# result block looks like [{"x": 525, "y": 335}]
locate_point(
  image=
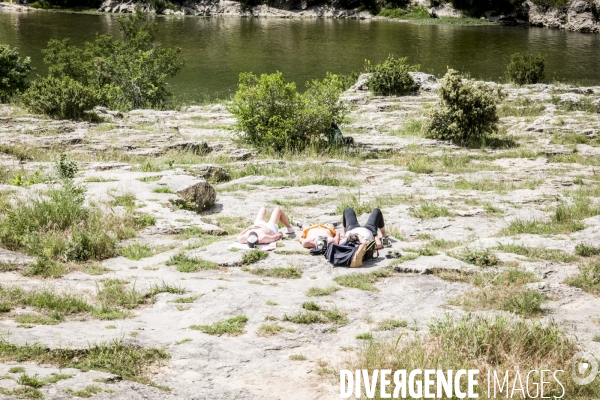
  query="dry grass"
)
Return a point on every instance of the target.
[{"x": 483, "y": 343}]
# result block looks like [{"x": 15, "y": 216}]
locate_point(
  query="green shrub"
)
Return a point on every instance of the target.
[
  {"x": 118, "y": 74},
  {"x": 466, "y": 111},
  {"x": 525, "y": 69},
  {"x": 61, "y": 98},
  {"x": 392, "y": 78},
  {"x": 272, "y": 115},
  {"x": 13, "y": 73}
]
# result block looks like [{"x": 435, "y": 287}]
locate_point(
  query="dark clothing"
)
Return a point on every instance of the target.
[
  {"x": 340, "y": 255},
  {"x": 374, "y": 222}
]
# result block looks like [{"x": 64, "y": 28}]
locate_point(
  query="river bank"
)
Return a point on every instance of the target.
[
  {"x": 442, "y": 205},
  {"x": 577, "y": 16}
]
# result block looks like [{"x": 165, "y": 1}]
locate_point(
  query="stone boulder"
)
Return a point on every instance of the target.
[
  {"x": 214, "y": 173},
  {"x": 106, "y": 114},
  {"x": 191, "y": 146},
  {"x": 191, "y": 189},
  {"x": 445, "y": 11},
  {"x": 361, "y": 83},
  {"x": 425, "y": 82},
  {"x": 284, "y": 4},
  {"x": 579, "y": 15}
]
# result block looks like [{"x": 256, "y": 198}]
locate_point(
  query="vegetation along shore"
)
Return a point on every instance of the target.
[{"x": 117, "y": 215}]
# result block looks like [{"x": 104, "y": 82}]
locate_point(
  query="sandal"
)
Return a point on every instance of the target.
[{"x": 385, "y": 241}]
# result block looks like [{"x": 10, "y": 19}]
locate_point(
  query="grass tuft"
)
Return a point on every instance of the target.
[
  {"x": 391, "y": 324},
  {"x": 362, "y": 281},
  {"x": 365, "y": 336},
  {"x": 316, "y": 291},
  {"x": 130, "y": 362},
  {"x": 430, "y": 210},
  {"x": 267, "y": 330},
  {"x": 254, "y": 256},
  {"x": 184, "y": 263},
  {"x": 588, "y": 278},
  {"x": 279, "y": 272},
  {"x": 230, "y": 327},
  {"x": 482, "y": 257},
  {"x": 311, "y": 306},
  {"x": 586, "y": 250},
  {"x": 486, "y": 343}
]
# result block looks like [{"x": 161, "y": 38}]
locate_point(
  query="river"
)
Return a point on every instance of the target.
[{"x": 218, "y": 49}]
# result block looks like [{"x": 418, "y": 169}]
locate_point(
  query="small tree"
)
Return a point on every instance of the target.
[
  {"x": 118, "y": 74},
  {"x": 525, "y": 69},
  {"x": 273, "y": 116},
  {"x": 13, "y": 72},
  {"x": 392, "y": 78},
  {"x": 466, "y": 111}
]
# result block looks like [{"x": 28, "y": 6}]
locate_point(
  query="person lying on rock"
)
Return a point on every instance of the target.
[
  {"x": 311, "y": 234},
  {"x": 263, "y": 232},
  {"x": 353, "y": 231}
]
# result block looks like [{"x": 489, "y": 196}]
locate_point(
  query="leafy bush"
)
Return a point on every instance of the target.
[
  {"x": 61, "y": 98},
  {"x": 526, "y": 69},
  {"x": 466, "y": 111},
  {"x": 13, "y": 72},
  {"x": 392, "y": 78},
  {"x": 118, "y": 74},
  {"x": 272, "y": 115}
]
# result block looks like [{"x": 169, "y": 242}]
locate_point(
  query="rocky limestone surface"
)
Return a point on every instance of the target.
[
  {"x": 476, "y": 192},
  {"x": 207, "y": 8},
  {"x": 579, "y": 15}
]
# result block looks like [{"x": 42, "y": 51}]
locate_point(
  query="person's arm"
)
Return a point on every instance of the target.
[
  {"x": 266, "y": 239},
  {"x": 335, "y": 239}
]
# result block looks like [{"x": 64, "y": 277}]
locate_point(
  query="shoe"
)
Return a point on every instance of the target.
[
  {"x": 290, "y": 230},
  {"x": 299, "y": 224},
  {"x": 389, "y": 254},
  {"x": 385, "y": 241}
]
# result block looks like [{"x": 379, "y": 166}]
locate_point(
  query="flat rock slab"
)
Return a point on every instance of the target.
[
  {"x": 13, "y": 258},
  {"x": 427, "y": 265}
]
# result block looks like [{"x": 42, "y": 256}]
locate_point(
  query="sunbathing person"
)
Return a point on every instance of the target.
[
  {"x": 263, "y": 232},
  {"x": 364, "y": 234},
  {"x": 310, "y": 235}
]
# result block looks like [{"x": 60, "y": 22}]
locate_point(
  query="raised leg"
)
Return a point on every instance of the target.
[
  {"x": 262, "y": 215},
  {"x": 375, "y": 222},
  {"x": 349, "y": 219},
  {"x": 278, "y": 216}
]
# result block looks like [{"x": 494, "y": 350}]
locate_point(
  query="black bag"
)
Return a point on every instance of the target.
[
  {"x": 321, "y": 247},
  {"x": 340, "y": 255}
]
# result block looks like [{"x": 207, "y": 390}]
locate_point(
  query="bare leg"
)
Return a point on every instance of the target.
[
  {"x": 382, "y": 230},
  {"x": 278, "y": 216},
  {"x": 262, "y": 214}
]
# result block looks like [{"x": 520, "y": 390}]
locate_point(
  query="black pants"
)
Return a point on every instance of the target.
[{"x": 375, "y": 220}]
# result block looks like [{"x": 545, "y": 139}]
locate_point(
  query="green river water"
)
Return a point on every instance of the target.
[{"x": 218, "y": 49}]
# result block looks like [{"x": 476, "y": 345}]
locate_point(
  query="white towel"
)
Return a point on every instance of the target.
[{"x": 241, "y": 246}]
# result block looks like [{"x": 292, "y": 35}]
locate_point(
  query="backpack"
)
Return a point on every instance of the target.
[
  {"x": 364, "y": 252},
  {"x": 340, "y": 255},
  {"x": 337, "y": 137}
]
